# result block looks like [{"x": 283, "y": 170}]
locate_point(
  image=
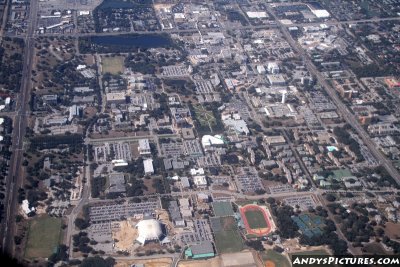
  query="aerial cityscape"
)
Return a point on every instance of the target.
[{"x": 188, "y": 133}]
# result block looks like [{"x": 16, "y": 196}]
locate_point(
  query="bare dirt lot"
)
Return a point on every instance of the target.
[
  {"x": 238, "y": 259},
  {"x": 162, "y": 262},
  {"x": 214, "y": 262},
  {"x": 126, "y": 234},
  {"x": 392, "y": 230}
]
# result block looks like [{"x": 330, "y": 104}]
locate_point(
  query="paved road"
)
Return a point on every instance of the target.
[
  {"x": 78, "y": 208},
  {"x": 127, "y": 138},
  {"x": 235, "y": 195},
  {"x": 345, "y": 22},
  {"x": 14, "y": 179},
  {"x": 346, "y": 114},
  {"x": 248, "y": 27}
]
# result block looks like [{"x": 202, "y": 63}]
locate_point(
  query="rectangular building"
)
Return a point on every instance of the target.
[
  {"x": 144, "y": 147},
  {"x": 148, "y": 166}
]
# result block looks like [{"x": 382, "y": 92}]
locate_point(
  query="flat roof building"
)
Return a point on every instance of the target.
[
  {"x": 200, "y": 180},
  {"x": 275, "y": 140},
  {"x": 276, "y": 79},
  {"x": 148, "y": 166},
  {"x": 144, "y": 147},
  {"x": 200, "y": 251}
]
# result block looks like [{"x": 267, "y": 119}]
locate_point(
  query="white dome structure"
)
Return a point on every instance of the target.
[{"x": 149, "y": 230}]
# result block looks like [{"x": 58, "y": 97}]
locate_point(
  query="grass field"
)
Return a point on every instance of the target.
[
  {"x": 278, "y": 259},
  {"x": 205, "y": 117},
  {"x": 227, "y": 237},
  {"x": 228, "y": 241},
  {"x": 112, "y": 65},
  {"x": 43, "y": 237},
  {"x": 255, "y": 218}
]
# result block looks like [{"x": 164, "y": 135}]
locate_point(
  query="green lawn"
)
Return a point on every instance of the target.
[
  {"x": 228, "y": 241},
  {"x": 205, "y": 117},
  {"x": 277, "y": 258},
  {"x": 255, "y": 219},
  {"x": 43, "y": 237},
  {"x": 113, "y": 65}
]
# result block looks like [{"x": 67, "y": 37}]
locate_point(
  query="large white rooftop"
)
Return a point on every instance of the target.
[{"x": 149, "y": 230}]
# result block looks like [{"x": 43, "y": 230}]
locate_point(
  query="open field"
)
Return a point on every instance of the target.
[
  {"x": 125, "y": 235},
  {"x": 213, "y": 262},
  {"x": 43, "y": 237},
  {"x": 161, "y": 262},
  {"x": 319, "y": 252},
  {"x": 112, "y": 65},
  {"x": 244, "y": 258},
  {"x": 255, "y": 219},
  {"x": 227, "y": 237},
  {"x": 228, "y": 241},
  {"x": 277, "y": 259},
  {"x": 205, "y": 117},
  {"x": 392, "y": 230}
]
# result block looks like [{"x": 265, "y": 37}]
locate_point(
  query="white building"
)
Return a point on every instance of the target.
[
  {"x": 273, "y": 68},
  {"x": 144, "y": 147},
  {"x": 235, "y": 122},
  {"x": 209, "y": 141},
  {"x": 148, "y": 166},
  {"x": 199, "y": 171},
  {"x": 149, "y": 230},
  {"x": 260, "y": 69},
  {"x": 200, "y": 180},
  {"x": 119, "y": 162},
  {"x": 25, "y": 207}
]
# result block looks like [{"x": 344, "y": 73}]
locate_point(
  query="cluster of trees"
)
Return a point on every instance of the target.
[
  {"x": 135, "y": 187},
  {"x": 81, "y": 242},
  {"x": 273, "y": 177},
  {"x": 357, "y": 228},
  {"x": 11, "y": 64},
  {"x": 393, "y": 244},
  {"x": 287, "y": 227},
  {"x": 147, "y": 63},
  {"x": 345, "y": 138},
  {"x": 237, "y": 16},
  {"x": 98, "y": 185},
  {"x": 163, "y": 109},
  {"x": 328, "y": 237},
  {"x": 112, "y": 14},
  {"x": 60, "y": 255},
  {"x": 181, "y": 86},
  {"x": 97, "y": 262},
  {"x": 255, "y": 244},
  {"x": 83, "y": 222},
  {"x": 159, "y": 185},
  {"x": 386, "y": 179},
  {"x": 371, "y": 70},
  {"x": 73, "y": 141},
  {"x": 134, "y": 168}
]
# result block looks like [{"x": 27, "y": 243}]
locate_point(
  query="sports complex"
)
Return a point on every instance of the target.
[{"x": 257, "y": 220}]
